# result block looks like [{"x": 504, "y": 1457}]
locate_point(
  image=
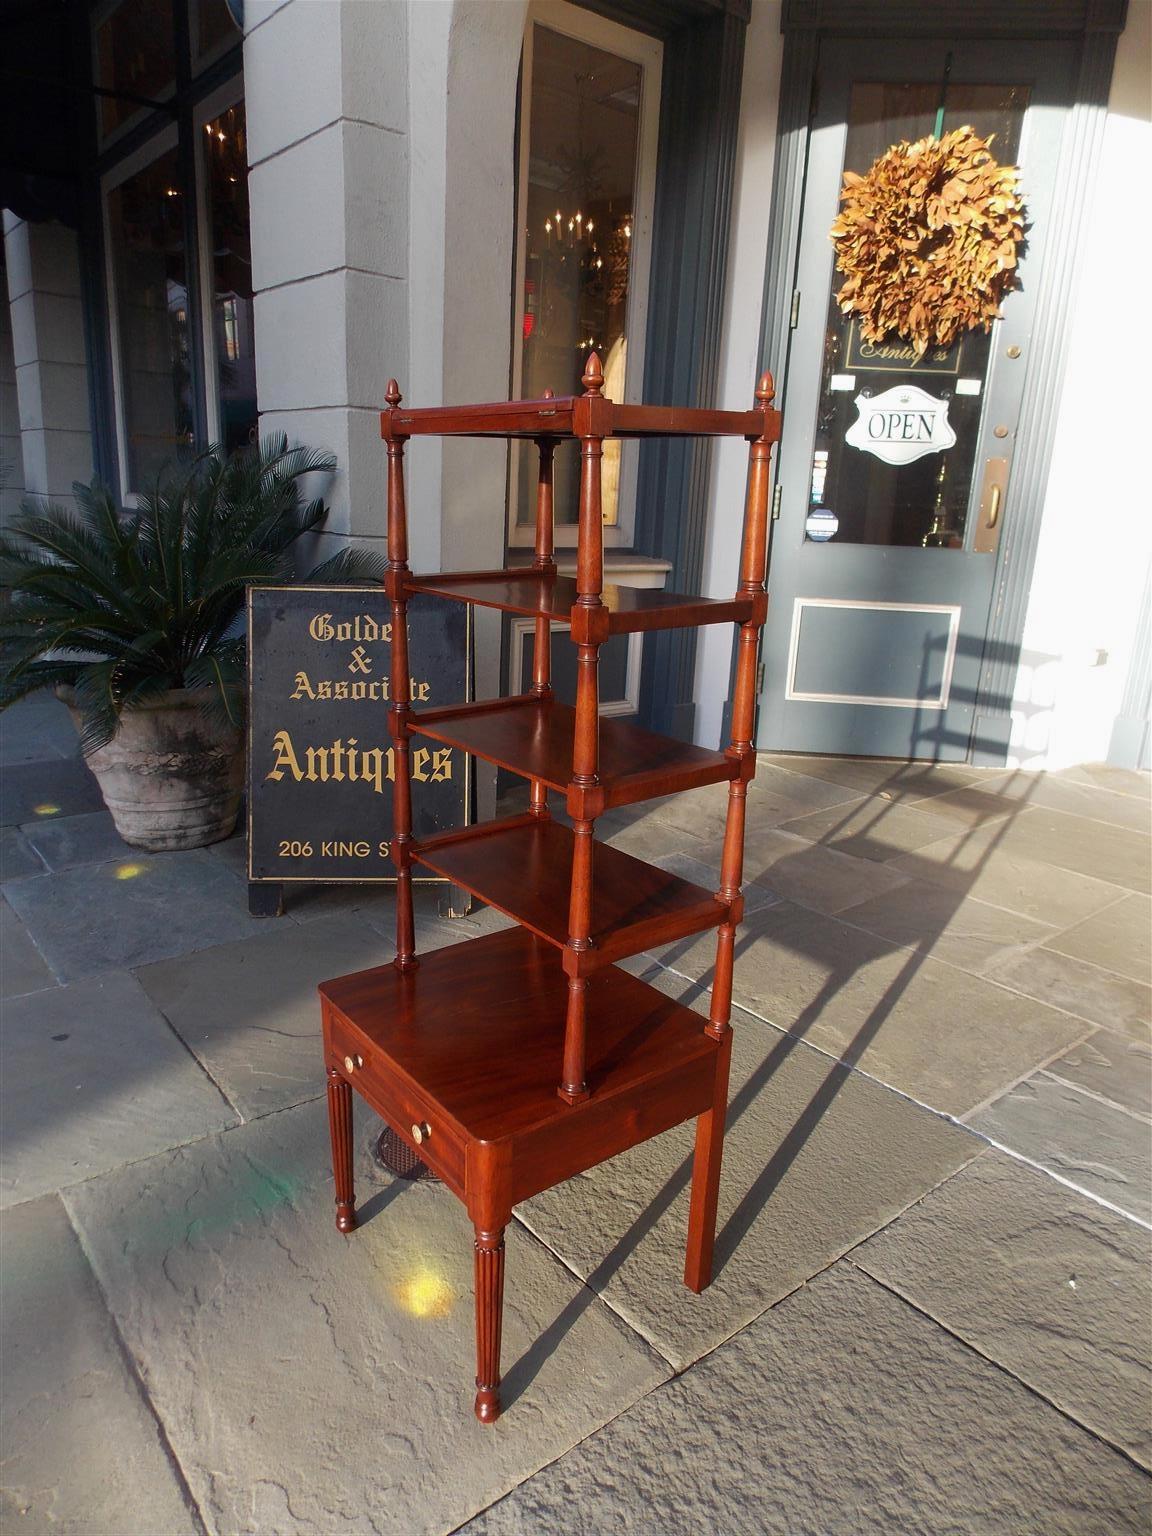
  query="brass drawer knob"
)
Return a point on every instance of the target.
[
  {"x": 351, "y": 1063},
  {"x": 421, "y": 1133}
]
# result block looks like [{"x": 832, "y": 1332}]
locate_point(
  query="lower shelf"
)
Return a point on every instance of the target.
[
  {"x": 523, "y": 866},
  {"x": 469, "y": 1044}
]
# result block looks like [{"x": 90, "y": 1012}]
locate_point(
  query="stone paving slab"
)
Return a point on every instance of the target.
[
  {"x": 83, "y": 1454},
  {"x": 1115, "y": 855},
  {"x": 310, "y": 1382},
  {"x": 978, "y": 864},
  {"x": 99, "y": 917},
  {"x": 65, "y": 842},
  {"x": 1094, "y": 1146},
  {"x": 249, "y": 1010},
  {"x": 843, "y": 1412},
  {"x": 897, "y": 781},
  {"x": 794, "y": 869},
  {"x": 707, "y": 873},
  {"x": 1121, "y": 781},
  {"x": 1111, "y": 1066},
  {"x": 17, "y": 856},
  {"x": 38, "y": 790},
  {"x": 1044, "y": 1281},
  {"x": 815, "y": 1158},
  {"x": 1094, "y": 994},
  {"x": 964, "y": 931},
  {"x": 22, "y": 966},
  {"x": 35, "y": 728},
  {"x": 1093, "y": 801},
  {"x": 948, "y": 1039},
  {"x": 1119, "y": 939},
  {"x": 870, "y": 829},
  {"x": 91, "y": 1077}
]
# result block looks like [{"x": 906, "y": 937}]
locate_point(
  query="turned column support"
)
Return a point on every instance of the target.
[
  {"x": 586, "y": 743},
  {"x": 395, "y": 579},
  {"x": 543, "y": 565}
]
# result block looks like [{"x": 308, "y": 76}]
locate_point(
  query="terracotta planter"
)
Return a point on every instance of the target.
[{"x": 172, "y": 776}]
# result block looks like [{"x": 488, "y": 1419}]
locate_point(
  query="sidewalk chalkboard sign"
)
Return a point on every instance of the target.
[{"x": 320, "y": 757}]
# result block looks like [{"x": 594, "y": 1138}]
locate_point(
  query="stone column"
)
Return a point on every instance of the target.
[
  {"x": 49, "y": 357},
  {"x": 327, "y": 109}
]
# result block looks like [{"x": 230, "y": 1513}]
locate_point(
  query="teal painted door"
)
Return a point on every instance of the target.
[{"x": 895, "y": 488}]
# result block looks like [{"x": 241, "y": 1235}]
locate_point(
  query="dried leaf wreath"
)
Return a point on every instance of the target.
[{"x": 927, "y": 240}]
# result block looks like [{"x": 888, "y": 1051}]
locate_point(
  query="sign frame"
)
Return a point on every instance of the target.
[{"x": 264, "y": 890}]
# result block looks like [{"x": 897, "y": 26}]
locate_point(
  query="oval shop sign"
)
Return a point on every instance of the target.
[{"x": 901, "y": 425}]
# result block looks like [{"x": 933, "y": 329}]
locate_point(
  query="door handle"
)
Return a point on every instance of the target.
[{"x": 991, "y": 506}]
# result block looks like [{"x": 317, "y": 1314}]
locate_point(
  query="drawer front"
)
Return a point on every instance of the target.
[{"x": 402, "y": 1106}]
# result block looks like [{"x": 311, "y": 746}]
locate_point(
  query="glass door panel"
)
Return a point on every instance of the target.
[{"x": 923, "y": 503}]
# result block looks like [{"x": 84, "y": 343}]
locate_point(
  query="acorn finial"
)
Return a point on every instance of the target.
[
  {"x": 392, "y": 395},
  {"x": 548, "y": 395},
  {"x": 765, "y": 391},
  {"x": 593, "y": 380}
]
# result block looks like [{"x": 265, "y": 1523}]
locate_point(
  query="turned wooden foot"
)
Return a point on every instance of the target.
[
  {"x": 706, "y": 1178},
  {"x": 340, "y": 1125},
  {"x": 489, "y": 1318}
]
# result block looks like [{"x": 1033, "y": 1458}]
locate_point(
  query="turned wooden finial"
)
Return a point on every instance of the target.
[
  {"x": 593, "y": 380},
  {"x": 548, "y": 395},
  {"x": 765, "y": 391},
  {"x": 392, "y": 395}
]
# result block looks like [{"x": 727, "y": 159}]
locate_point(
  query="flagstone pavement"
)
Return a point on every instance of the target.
[{"x": 931, "y": 1310}]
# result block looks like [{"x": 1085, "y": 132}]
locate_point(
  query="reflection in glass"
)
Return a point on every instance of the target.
[
  {"x": 226, "y": 163},
  {"x": 135, "y": 53},
  {"x": 924, "y": 503},
  {"x": 583, "y": 130},
  {"x": 146, "y": 234},
  {"x": 213, "y": 30}
]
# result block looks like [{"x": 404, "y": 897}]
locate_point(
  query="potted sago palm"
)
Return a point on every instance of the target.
[{"x": 135, "y": 617}]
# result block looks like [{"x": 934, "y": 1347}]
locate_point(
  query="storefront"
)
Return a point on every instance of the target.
[{"x": 468, "y": 196}]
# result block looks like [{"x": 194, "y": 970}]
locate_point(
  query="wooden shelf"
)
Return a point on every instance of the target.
[
  {"x": 560, "y": 417},
  {"x": 533, "y": 737},
  {"x": 523, "y": 866},
  {"x": 474, "y": 1034},
  {"x": 552, "y": 597}
]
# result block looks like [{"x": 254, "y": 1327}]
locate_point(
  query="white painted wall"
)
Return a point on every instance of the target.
[
  {"x": 740, "y": 355},
  {"x": 1096, "y": 536}
]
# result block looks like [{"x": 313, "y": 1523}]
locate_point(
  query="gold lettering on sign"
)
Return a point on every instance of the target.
[
  {"x": 362, "y": 628},
  {"x": 348, "y": 761},
  {"x": 325, "y": 690}
]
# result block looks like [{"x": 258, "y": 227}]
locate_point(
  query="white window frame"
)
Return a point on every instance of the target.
[
  {"x": 648, "y": 52},
  {"x": 124, "y": 170},
  {"x": 230, "y": 94}
]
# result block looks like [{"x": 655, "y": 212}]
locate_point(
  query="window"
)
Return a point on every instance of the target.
[
  {"x": 134, "y": 54},
  {"x": 147, "y": 256},
  {"x": 178, "y": 255},
  {"x": 589, "y": 111},
  {"x": 227, "y": 269}
]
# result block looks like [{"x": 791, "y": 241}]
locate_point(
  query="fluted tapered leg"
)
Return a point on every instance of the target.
[
  {"x": 340, "y": 1125},
  {"x": 489, "y": 1319}
]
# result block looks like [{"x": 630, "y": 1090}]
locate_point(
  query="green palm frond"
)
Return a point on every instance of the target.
[{"x": 123, "y": 605}]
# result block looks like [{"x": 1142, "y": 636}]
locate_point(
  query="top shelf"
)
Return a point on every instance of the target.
[{"x": 575, "y": 416}]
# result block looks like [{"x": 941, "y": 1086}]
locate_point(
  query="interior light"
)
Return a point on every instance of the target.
[
  {"x": 129, "y": 871},
  {"x": 47, "y": 809}
]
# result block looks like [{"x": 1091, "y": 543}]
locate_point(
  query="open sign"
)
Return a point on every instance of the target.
[{"x": 901, "y": 425}]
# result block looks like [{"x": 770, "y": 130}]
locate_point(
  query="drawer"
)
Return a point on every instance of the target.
[{"x": 403, "y": 1106}]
